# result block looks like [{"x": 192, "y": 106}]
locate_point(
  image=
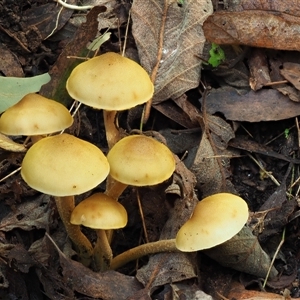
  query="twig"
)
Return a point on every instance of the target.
[
  {"x": 274, "y": 257},
  {"x": 10, "y": 174},
  {"x": 56, "y": 24},
  {"x": 264, "y": 170},
  {"x": 142, "y": 215},
  {"x": 75, "y": 7},
  {"x": 126, "y": 33}
]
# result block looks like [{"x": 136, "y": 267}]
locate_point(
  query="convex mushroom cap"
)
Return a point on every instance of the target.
[
  {"x": 35, "y": 115},
  {"x": 99, "y": 211},
  {"x": 215, "y": 220},
  {"x": 140, "y": 161},
  {"x": 63, "y": 165},
  {"x": 110, "y": 82}
]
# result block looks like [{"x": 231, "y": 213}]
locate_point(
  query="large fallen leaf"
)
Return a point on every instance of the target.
[
  {"x": 13, "y": 88},
  {"x": 256, "y": 28},
  {"x": 243, "y": 253},
  {"x": 263, "y": 105},
  {"x": 109, "y": 285},
  {"x": 169, "y": 37}
]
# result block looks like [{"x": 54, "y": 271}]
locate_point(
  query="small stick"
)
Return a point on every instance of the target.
[{"x": 75, "y": 7}]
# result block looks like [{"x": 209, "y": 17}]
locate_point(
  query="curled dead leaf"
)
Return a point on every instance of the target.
[{"x": 8, "y": 144}]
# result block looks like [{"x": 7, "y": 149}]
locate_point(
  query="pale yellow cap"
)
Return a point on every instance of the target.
[
  {"x": 99, "y": 211},
  {"x": 63, "y": 165},
  {"x": 35, "y": 115},
  {"x": 111, "y": 82},
  {"x": 140, "y": 161},
  {"x": 215, "y": 220}
]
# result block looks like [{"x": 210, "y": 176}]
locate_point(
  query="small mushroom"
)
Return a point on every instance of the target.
[
  {"x": 100, "y": 212},
  {"x": 64, "y": 166},
  {"x": 215, "y": 220},
  {"x": 113, "y": 83},
  {"x": 34, "y": 116},
  {"x": 138, "y": 160}
]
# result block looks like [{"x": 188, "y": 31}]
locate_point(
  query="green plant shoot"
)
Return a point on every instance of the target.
[
  {"x": 217, "y": 55},
  {"x": 286, "y": 133}
]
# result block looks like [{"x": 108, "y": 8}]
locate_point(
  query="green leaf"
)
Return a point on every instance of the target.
[
  {"x": 217, "y": 55},
  {"x": 13, "y": 89},
  {"x": 96, "y": 43}
]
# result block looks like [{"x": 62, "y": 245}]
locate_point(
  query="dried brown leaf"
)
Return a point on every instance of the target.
[
  {"x": 286, "y": 6},
  {"x": 256, "y": 28},
  {"x": 32, "y": 214},
  {"x": 238, "y": 291},
  {"x": 259, "y": 69},
  {"x": 209, "y": 160},
  {"x": 243, "y": 253},
  {"x": 291, "y": 72},
  {"x": 169, "y": 37},
  {"x": 109, "y": 285},
  {"x": 262, "y": 105}
]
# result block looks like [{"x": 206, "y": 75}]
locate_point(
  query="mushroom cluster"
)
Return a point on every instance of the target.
[{"x": 64, "y": 166}]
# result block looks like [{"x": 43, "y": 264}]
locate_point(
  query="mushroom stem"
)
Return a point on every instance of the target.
[
  {"x": 112, "y": 132},
  {"x": 114, "y": 188},
  {"x": 65, "y": 206},
  {"x": 142, "y": 250},
  {"x": 36, "y": 138},
  {"x": 102, "y": 252}
]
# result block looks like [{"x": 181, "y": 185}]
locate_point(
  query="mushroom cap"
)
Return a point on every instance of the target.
[
  {"x": 215, "y": 220},
  {"x": 99, "y": 211},
  {"x": 111, "y": 82},
  {"x": 63, "y": 165},
  {"x": 35, "y": 115},
  {"x": 140, "y": 161}
]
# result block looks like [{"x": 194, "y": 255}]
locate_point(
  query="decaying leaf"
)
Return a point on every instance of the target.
[
  {"x": 291, "y": 72},
  {"x": 238, "y": 291},
  {"x": 10, "y": 66},
  {"x": 32, "y": 214},
  {"x": 109, "y": 285},
  {"x": 243, "y": 253},
  {"x": 278, "y": 209},
  {"x": 169, "y": 38},
  {"x": 262, "y": 105},
  {"x": 8, "y": 144},
  {"x": 181, "y": 290},
  {"x": 19, "y": 257},
  {"x": 208, "y": 161},
  {"x": 259, "y": 69},
  {"x": 256, "y": 28}
]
